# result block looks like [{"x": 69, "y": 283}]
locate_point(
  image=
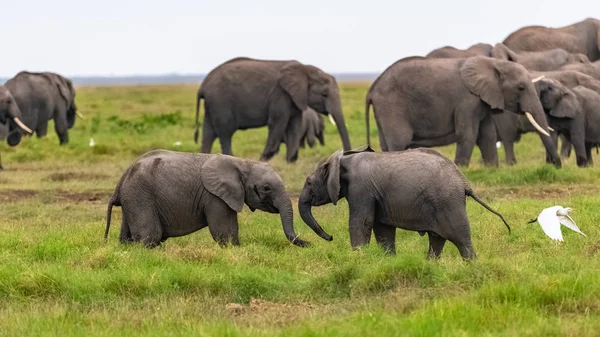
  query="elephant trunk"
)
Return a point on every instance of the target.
[
  {"x": 334, "y": 109},
  {"x": 305, "y": 209},
  {"x": 533, "y": 110},
  {"x": 284, "y": 205}
]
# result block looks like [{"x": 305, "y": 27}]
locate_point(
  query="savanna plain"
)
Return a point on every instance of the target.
[{"x": 59, "y": 278}]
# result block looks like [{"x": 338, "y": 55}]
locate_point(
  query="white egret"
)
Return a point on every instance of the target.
[{"x": 551, "y": 218}]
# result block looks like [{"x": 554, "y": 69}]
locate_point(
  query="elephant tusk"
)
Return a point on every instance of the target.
[
  {"x": 538, "y": 78},
  {"x": 551, "y": 129},
  {"x": 331, "y": 120},
  {"x": 22, "y": 126},
  {"x": 536, "y": 125},
  {"x": 79, "y": 115}
]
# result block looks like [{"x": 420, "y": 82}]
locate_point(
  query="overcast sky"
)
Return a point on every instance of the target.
[{"x": 134, "y": 37}]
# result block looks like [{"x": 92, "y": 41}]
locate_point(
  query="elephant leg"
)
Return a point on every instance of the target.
[
  {"x": 578, "y": 141},
  {"x": 588, "y": 153},
  {"x": 277, "y": 127},
  {"x": 293, "y": 135},
  {"x": 125, "y": 235},
  {"x": 361, "y": 220},
  {"x": 486, "y": 141},
  {"x": 61, "y": 128},
  {"x": 565, "y": 147},
  {"x": 509, "y": 152},
  {"x": 466, "y": 132},
  {"x": 225, "y": 140},
  {"x": 143, "y": 223},
  {"x": 382, "y": 143},
  {"x": 554, "y": 137},
  {"x": 208, "y": 136},
  {"x": 453, "y": 225},
  {"x": 436, "y": 245},
  {"x": 42, "y": 129},
  {"x": 222, "y": 223},
  {"x": 386, "y": 237}
]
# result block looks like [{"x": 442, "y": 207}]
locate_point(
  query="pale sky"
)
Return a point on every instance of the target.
[{"x": 136, "y": 37}]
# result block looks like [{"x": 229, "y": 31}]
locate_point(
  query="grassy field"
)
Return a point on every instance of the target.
[{"x": 58, "y": 277}]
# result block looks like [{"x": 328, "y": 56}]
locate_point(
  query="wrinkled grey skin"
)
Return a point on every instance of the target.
[
  {"x": 313, "y": 128},
  {"x": 393, "y": 190},
  {"x": 575, "y": 114},
  {"x": 246, "y": 93},
  {"x": 420, "y": 102},
  {"x": 9, "y": 110},
  {"x": 592, "y": 69},
  {"x": 546, "y": 60},
  {"x": 44, "y": 96},
  {"x": 510, "y": 127},
  {"x": 449, "y": 52},
  {"x": 168, "y": 194},
  {"x": 582, "y": 37}
]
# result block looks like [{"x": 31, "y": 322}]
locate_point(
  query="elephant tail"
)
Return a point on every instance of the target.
[
  {"x": 198, "y": 98},
  {"x": 470, "y": 193},
  {"x": 115, "y": 200},
  {"x": 368, "y": 103}
]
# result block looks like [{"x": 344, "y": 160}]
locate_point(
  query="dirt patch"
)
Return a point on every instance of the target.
[
  {"x": 536, "y": 192},
  {"x": 66, "y": 176},
  {"x": 277, "y": 314},
  {"x": 64, "y": 196},
  {"x": 16, "y": 195},
  {"x": 86, "y": 196}
]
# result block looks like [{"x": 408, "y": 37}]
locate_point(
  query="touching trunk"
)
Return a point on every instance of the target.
[
  {"x": 284, "y": 205},
  {"x": 533, "y": 106},
  {"x": 305, "y": 207},
  {"x": 334, "y": 109}
]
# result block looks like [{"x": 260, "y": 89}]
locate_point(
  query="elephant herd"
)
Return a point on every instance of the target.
[{"x": 538, "y": 79}]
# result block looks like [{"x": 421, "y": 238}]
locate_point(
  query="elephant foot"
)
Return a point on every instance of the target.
[
  {"x": 267, "y": 156},
  {"x": 582, "y": 162}
]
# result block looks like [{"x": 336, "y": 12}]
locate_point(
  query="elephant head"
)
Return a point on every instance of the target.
[
  {"x": 237, "y": 181},
  {"x": 309, "y": 86},
  {"x": 322, "y": 186},
  {"x": 10, "y": 112},
  {"x": 557, "y": 100},
  {"x": 505, "y": 85},
  {"x": 545, "y": 60}
]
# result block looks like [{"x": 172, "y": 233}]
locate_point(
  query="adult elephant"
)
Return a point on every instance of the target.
[
  {"x": 545, "y": 60},
  {"x": 420, "y": 102},
  {"x": 10, "y": 119},
  {"x": 510, "y": 127},
  {"x": 449, "y": 52},
  {"x": 582, "y": 37},
  {"x": 42, "y": 96},
  {"x": 247, "y": 93}
]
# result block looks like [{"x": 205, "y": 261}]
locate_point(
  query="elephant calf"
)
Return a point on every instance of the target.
[
  {"x": 167, "y": 194},
  {"x": 313, "y": 128},
  {"x": 418, "y": 190}
]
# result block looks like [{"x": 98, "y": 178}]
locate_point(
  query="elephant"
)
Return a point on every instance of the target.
[
  {"x": 247, "y": 93},
  {"x": 167, "y": 194},
  {"x": 574, "y": 113},
  {"x": 10, "y": 119},
  {"x": 545, "y": 60},
  {"x": 582, "y": 37},
  {"x": 420, "y": 102},
  {"x": 449, "y": 52},
  {"x": 313, "y": 128},
  {"x": 592, "y": 69},
  {"x": 42, "y": 96},
  {"x": 418, "y": 190}
]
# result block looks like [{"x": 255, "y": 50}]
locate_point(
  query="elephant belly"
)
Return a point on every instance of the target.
[{"x": 182, "y": 224}]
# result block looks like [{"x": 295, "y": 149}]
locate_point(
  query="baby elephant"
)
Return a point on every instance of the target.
[
  {"x": 418, "y": 190},
  {"x": 167, "y": 194}
]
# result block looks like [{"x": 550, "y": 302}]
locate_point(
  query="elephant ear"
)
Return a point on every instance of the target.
[
  {"x": 480, "y": 76},
  {"x": 222, "y": 177},
  {"x": 294, "y": 81},
  {"x": 64, "y": 87},
  {"x": 501, "y": 51},
  {"x": 567, "y": 107},
  {"x": 333, "y": 176}
]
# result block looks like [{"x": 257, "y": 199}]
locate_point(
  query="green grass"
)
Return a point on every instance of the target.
[{"x": 58, "y": 277}]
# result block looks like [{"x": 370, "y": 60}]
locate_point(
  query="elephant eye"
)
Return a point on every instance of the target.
[
  {"x": 267, "y": 188},
  {"x": 521, "y": 88}
]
